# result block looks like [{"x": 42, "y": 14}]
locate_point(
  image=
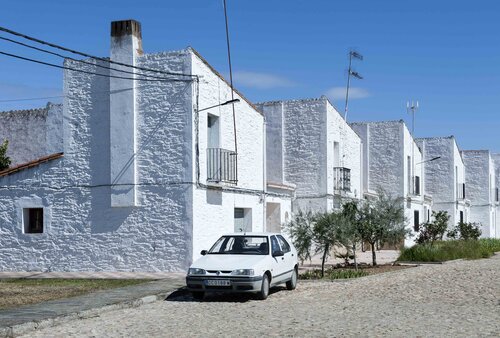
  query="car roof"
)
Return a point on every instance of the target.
[{"x": 252, "y": 234}]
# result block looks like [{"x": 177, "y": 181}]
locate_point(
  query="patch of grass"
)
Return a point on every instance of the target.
[
  {"x": 333, "y": 274},
  {"x": 449, "y": 250},
  {"x": 23, "y": 291},
  {"x": 491, "y": 244}
]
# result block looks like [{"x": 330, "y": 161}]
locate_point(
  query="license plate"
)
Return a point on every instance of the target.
[{"x": 218, "y": 282}]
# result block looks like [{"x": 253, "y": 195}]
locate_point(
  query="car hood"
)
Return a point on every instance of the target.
[{"x": 228, "y": 262}]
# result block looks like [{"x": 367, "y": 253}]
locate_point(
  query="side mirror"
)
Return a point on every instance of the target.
[
  {"x": 278, "y": 253},
  {"x": 203, "y": 252}
]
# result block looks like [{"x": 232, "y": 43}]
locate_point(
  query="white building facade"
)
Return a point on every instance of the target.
[
  {"x": 393, "y": 161},
  {"x": 496, "y": 162},
  {"x": 482, "y": 190},
  {"x": 312, "y": 148},
  {"x": 445, "y": 177},
  {"x": 149, "y": 175}
]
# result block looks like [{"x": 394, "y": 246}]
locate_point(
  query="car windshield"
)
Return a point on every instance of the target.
[{"x": 241, "y": 245}]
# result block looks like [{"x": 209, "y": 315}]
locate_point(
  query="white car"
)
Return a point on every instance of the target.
[{"x": 244, "y": 262}]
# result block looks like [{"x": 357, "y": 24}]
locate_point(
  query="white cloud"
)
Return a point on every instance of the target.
[
  {"x": 260, "y": 80},
  {"x": 338, "y": 93}
]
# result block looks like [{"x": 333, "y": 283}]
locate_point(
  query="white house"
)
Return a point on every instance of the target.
[
  {"x": 145, "y": 174},
  {"x": 445, "y": 177},
  {"x": 310, "y": 146},
  {"x": 482, "y": 190},
  {"x": 496, "y": 162},
  {"x": 32, "y": 133},
  {"x": 392, "y": 161}
]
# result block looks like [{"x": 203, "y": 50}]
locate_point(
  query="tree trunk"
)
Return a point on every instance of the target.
[
  {"x": 323, "y": 261},
  {"x": 354, "y": 254},
  {"x": 374, "y": 255}
]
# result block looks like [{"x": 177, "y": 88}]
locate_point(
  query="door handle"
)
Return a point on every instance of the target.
[{"x": 282, "y": 258}]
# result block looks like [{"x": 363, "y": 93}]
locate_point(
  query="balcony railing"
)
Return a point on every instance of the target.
[
  {"x": 221, "y": 166},
  {"x": 341, "y": 179}
]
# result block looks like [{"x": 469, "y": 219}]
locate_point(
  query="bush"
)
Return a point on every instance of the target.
[
  {"x": 465, "y": 231},
  {"x": 448, "y": 250},
  {"x": 433, "y": 231},
  {"x": 333, "y": 274}
]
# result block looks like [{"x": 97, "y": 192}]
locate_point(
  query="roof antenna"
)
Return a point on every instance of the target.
[{"x": 351, "y": 72}]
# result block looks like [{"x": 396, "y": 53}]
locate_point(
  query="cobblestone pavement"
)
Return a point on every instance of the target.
[{"x": 459, "y": 299}]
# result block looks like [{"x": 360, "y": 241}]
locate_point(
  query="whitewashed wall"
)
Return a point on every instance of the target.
[
  {"x": 213, "y": 213},
  {"x": 32, "y": 133},
  {"x": 309, "y": 129},
  {"x": 480, "y": 183},
  {"x": 496, "y": 162},
  {"x": 440, "y": 177},
  {"x": 387, "y": 145}
]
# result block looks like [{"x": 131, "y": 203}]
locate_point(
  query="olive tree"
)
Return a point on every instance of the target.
[
  {"x": 381, "y": 220},
  {"x": 348, "y": 229},
  {"x": 300, "y": 229},
  {"x": 326, "y": 234}
]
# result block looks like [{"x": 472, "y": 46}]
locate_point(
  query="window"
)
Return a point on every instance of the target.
[
  {"x": 496, "y": 195},
  {"x": 212, "y": 131},
  {"x": 274, "y": 245},
  {"x": 336, "y": 154},
  {"x": 416, "y": 221},
  {"x": 417, "y": 185},
  {"x": 242, "y": 220},
  {"x": 408, "y": 164},
  {"x": 33, "y": 220},
  {"x": 461, "y": 216},
  {"x": 284, "y": 244}
]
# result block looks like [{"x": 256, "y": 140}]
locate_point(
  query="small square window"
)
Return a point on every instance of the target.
[{"x": 33, "y": 220}]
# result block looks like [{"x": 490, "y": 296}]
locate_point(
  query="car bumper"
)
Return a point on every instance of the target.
[{"x": 237, "y": 284}]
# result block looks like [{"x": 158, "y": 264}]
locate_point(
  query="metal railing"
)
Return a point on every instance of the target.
[
  {"x": 341, "y": 179},
  {"x": 221, "y": 165}
]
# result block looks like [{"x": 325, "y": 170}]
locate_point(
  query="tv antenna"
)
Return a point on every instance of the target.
[{"x": 351, "y": 72}]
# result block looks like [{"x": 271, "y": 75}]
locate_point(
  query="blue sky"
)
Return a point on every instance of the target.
[{"x": 446, "y": 54}]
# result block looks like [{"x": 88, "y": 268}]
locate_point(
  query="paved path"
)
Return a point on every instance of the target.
[
  {"x": 459, "y": 299},
  {"x": 26, "y": 318}
]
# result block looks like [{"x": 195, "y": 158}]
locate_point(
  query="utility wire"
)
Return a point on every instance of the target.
[
  {"x": 81, "y": 61},
  {"x": 87, "y": 72},
  {"x": 6, "y": 30},
  {"x": 33, "y": 98}
]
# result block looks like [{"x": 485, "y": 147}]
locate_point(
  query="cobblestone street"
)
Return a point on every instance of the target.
[{"x": 458, "y": 299}]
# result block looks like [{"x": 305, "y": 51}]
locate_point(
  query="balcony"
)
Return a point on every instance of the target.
[
  {"x": 221, "y": 166},
  {"x": 341, "y": 179}
]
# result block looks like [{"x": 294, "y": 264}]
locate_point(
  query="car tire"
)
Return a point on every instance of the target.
[
  {"x": 198, "y": 295},
  {"x": 264, "y": 288},
  {"x": 292, "y": 283}
]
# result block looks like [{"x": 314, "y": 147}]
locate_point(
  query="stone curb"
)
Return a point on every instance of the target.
[{"x": 27, "y": 327}]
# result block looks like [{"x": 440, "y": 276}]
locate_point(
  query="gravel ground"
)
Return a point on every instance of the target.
[{"x": 459, "y": 299}]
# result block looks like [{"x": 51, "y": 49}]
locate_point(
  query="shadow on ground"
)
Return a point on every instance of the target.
[{"x": 183, "y": 295}]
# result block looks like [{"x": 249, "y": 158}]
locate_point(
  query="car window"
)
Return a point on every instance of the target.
[
  {"x": 274, "y": 244},
  {"x": 241, "y": 245},
  {"x": 284, "y": 244}
]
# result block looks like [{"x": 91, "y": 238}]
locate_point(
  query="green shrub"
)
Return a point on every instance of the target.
[
  {"x": 333, "y": 274},
  {"x": 491, "y": 244},
  {"x": 447, "y": 250},
  {"x": 465, "y": 231}
]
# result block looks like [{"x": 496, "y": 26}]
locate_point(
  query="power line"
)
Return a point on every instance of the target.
[
  {"x": 6, "y": 30},
  {"x": 34, "y": 98},
  {"x": 81, "y": 61},
  {"x": 87, "y": 72}
]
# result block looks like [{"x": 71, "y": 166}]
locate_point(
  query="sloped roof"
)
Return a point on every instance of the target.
[{"x": 30, "y": 164}]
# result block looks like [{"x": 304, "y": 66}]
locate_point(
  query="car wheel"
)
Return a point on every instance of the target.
[
  {"x": 264, "y": 288},
  {"x": 198, "y": 295},
  {"x": 292, "y": 283}
]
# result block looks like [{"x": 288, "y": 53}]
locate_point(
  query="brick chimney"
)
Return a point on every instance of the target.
[{"x": 126, "y": 46}]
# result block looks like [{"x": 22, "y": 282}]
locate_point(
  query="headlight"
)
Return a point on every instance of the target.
[
  {"x": 196, "y": 271},
  {"x": 243, "y": 272}
]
